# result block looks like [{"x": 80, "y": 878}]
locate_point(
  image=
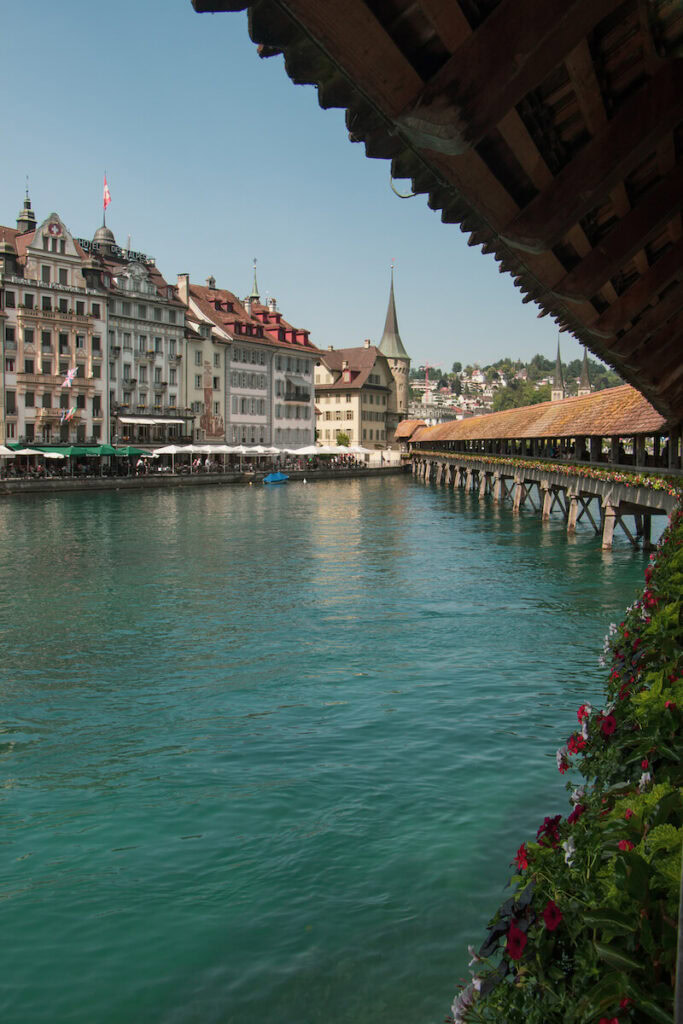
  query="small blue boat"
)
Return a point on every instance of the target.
[{"x": 276, "y": 478}]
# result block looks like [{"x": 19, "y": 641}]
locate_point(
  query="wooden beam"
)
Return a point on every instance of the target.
[
  {"x": 626, "y": 237},
  {"x": 640, "y": 294},
  {"x": 360, "y": 47},
  {"x": 511, "y": 52},
  {"x": 623, "y": 143},
  {"x": 448, "y": 21},
  {"x": 655, "y": 318}
]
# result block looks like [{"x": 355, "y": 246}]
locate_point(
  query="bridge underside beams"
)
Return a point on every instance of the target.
[{"x": 603, "y": 503}]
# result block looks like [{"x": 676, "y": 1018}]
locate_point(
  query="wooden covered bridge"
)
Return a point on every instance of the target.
[{"x": 604, "y": 456}]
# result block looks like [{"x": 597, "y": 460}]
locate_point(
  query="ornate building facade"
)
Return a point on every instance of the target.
[{"x": 53, "y": 330}]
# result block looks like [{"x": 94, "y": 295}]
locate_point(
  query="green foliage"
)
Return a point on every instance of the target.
[
  {"x": 343, "y": 438},
  {"x": 518, "y": 393},
  {"x": 590, "y": 931}
]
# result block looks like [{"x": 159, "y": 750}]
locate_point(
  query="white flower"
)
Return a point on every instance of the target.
[
  {"x": 475, "y": 956},
  {"x": 578, "y": 794},
  {"x": 561, "y": 755},
  {"x": 584, "y": 729},
  {"x": 462, "y": 1004},
  {"x": 476, "y": 982},
  {"x": 645, "y": 780},
  {"x": 569, "y": 847}
]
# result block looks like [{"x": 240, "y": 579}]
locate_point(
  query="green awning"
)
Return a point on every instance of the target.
[
  {"x": 102, "y": 449},
  {"x": 130, "y": 450}
]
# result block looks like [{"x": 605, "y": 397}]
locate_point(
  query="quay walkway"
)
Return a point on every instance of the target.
[
  {"x": 60, "y": 485},
  {"x": 604, "y": 456}
]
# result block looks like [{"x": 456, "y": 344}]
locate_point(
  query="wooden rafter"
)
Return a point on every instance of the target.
[
  {"x": 514, "y": 49},
  {"x": 634, "y": 131},
  {"x": 639, "y": 295},
  {"x": 627, "y": 236}
]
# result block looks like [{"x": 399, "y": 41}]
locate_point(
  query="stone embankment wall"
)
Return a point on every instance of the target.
[{"x": 13, "y": 486}]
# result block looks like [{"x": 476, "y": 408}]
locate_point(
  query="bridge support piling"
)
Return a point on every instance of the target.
[
  {"x": 497, "y": 488},
  {"x": 609, "y": 518},
  {"x": 439, "y": 473},
  {"x": 547, "y": 501},
  {"x": 573, "y": 510}
]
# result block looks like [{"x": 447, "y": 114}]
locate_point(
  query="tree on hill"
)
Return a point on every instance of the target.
[
  {"x": 456, "y": 368},
  {"x": 518, "y": 393}
]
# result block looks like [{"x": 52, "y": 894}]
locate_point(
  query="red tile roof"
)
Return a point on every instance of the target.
[
  {"x": 615, "y": 412},
  {"x": 361, "y": 363},
  {"x": 226, "y": 319},
  {"x": 407, "y": 428}
]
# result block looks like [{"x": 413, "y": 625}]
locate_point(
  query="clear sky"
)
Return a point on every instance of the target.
[{"x": 214, "y": 157}]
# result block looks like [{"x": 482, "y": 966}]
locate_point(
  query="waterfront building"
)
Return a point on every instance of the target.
[
  {"x": 364, "y": 392},
  {"x": 53, "y": 321},
  {"x": 392, "y": 348},
  {"x": 266, "y": 364},
  {"x": 353, "y": 388},
  {"x": 145, "y": 343}
]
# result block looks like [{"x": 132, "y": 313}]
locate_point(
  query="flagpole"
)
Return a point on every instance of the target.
[{"x": 104, "y": 205}]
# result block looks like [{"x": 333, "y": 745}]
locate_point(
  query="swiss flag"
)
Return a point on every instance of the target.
[{"x": 106, "y": 196}]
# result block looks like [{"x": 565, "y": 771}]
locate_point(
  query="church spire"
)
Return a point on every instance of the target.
[
  {"x": 255, "y": 297},
  {"x": 26, "y": 219},
  {"x": 557, "y": 392},
  {"x": 391, "y": 344},
  {"x": 585, "y": 382}
]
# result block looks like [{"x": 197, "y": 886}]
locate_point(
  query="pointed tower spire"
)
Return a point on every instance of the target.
[
  {"x": 26, "y": 218},
  {"x": 391, "y": 344},
  {"x": 557, "y": 392},
  {"x": 585, "y": 382},
  {"x": 255, "y": 297}
]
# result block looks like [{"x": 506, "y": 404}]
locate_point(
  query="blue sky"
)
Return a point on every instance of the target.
[{"x": 214, "y": 157}]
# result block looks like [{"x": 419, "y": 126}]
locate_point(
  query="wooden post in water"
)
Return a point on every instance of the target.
[
  {"x": 497, "y": 487},
  {"x": 609, "y": 518},
  {"x": 547, "y": 500},
  {"x": 573, "y": 511},
  {"x": 519, "y": 492}
]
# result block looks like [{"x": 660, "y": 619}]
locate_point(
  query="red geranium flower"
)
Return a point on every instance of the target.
[
  {"x": 576, "y": 814},
  {"x": 552, "y": 916},
  {"x": 582, "y": 713},
  {"x": 609, "y": 1020},
  {"x": 516, "y": 941},
  {"x": 670, "y": 705},
  {"x": 644, "y": 763},
  {"x": 608, "y": 725},
  {"x": 521, "y": 858},
  {"x": 625, "y": 844},
  {"x": 575, "y": 744},
  {"x": 624, "y": 1003},
  {"x": 628, "y": 813},
  {"x": 549, "y": 830}
]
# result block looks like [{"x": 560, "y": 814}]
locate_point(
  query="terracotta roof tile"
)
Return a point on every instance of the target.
[
  {"x": 206, "y": 297},
  {"x": 407, "y": 428},
  {"x": 361, "y": 361},
  {"x": 614, "y": 412}
]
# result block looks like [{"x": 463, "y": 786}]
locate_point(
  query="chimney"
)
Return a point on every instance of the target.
[
  {"x": 184, "y": 287},
  {"x": 211, "y": 282},
  {"x": 247, "y": 306},
  {"x": 367, "y": 343},
  {"x": 345, "y": 364},
  {"x": 272, "y": 305},
  {"x": 330, "y": 348}
]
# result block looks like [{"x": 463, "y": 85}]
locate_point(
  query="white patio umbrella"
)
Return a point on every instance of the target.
[
  {"x": 6, "y": 453},
  {"x": 53, "y": 455},
  {"x": 27, "y": 451},
  {"x": 172, "y": 450}
]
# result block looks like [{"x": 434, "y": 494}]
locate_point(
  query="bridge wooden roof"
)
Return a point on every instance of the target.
[
  {"x": 615, "y": 412},
  {"x": 550, "y": 130}
]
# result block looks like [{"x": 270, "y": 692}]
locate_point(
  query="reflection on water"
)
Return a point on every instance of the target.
[{"x": 267, "y": 754}]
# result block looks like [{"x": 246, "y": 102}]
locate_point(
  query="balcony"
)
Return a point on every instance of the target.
[
  {"x": 114, "y": 351},
  {"x": 55, "y": 315},
  {"x": 297, "y": 396}
]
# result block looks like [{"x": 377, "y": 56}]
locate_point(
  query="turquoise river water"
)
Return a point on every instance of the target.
[{"x": 267, "y": 753}]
